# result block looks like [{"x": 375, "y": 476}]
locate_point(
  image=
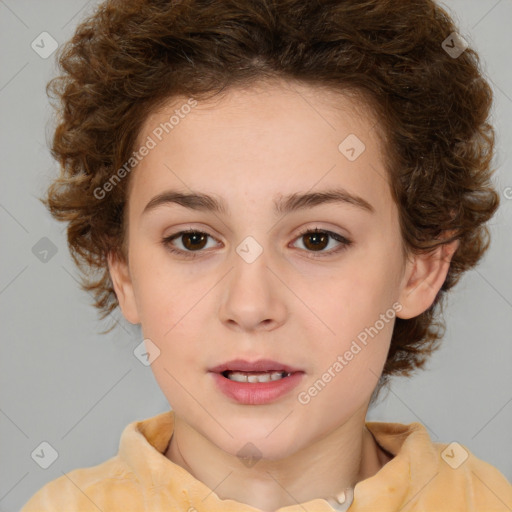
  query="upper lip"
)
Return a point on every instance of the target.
[{"x": 262, "y": 365}]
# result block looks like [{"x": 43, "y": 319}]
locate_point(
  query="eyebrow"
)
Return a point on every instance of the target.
[{"x": 283, "y": 205}]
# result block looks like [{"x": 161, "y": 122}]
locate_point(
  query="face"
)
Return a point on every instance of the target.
[{"x": 254, "y": 281}]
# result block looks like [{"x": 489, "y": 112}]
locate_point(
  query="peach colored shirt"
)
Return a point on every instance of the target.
[{"x": 423, "y": 476}]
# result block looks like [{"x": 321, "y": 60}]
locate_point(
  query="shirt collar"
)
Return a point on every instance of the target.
[{"x": 143, "y": 445}]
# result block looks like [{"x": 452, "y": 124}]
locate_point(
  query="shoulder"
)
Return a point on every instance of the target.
[
  {"x": 122, "y": 482},
  {"x": 473, "y": 480},
  {"x": 438, "y": 476},
  {"x": 105, "y": 486}
]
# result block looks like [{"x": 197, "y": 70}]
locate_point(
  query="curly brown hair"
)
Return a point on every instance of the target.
[{"x": 130, "y": 56}]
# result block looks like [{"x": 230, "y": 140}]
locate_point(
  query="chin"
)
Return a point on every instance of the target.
[
  {"x": 253, "y": 440},
  {"x": 254, "y": 450}
]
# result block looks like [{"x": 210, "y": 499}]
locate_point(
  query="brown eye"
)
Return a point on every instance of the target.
[
  {"x": 315, "y": 241},
  {"x": 192, "y": 241}
]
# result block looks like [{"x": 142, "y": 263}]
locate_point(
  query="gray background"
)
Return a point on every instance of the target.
[{"x": 63, "y": 383}]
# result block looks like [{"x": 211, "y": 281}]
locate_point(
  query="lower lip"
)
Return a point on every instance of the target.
[{"x": 257, "y": 393}]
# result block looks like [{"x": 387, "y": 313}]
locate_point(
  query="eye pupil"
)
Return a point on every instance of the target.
[
  {"x": 196, "y": 237},
  {"x": 317, "y": 238}
]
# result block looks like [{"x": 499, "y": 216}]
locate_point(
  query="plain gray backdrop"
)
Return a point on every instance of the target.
[{"x": 65, "y": 384}]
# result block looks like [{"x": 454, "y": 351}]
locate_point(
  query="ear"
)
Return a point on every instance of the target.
[
  {"x": 423, "y": 278},
  {"x": 123, "y": 286}
]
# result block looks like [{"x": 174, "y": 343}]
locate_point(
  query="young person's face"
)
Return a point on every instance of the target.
[{"x": 257, "y": 289}]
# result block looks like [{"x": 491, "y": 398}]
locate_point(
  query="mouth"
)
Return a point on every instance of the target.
[
  {"x": 257, "y": 382},
  {"x": 265, "y": 369},
  {"x": 254, "y": 376}
]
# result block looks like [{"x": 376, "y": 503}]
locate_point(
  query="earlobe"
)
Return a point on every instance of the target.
[
  {"x": 423, "y": 278},
  {"x": 123, "y": 286}
]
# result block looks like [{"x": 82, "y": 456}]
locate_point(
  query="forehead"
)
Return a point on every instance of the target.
[
  {"x": 279, "y": 103},
  {"x": 262, "y": 141}
]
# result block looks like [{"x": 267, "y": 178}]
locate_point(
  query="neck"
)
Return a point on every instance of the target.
[{"x": 321, "y": 470}]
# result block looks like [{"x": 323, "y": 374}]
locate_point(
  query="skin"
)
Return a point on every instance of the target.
[{"x": 249, "y": 147}]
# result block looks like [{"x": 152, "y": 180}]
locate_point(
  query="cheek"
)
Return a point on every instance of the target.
[
  {"x": 358, "y": 309},
  {"x": 163, "y": 292},
  {"x": 348, "y": 363},
  {"x": 171, "y": 305},
  {"x": 357, "y": 298},
  {"x": 169, "y": 308}
]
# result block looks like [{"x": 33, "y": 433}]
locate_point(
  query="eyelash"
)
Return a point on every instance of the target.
[{"x": 345, "y": 243}]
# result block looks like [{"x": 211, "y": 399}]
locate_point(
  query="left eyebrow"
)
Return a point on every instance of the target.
[{"x": 282, "y": 205}]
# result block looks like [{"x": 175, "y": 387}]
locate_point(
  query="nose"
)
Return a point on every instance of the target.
[{"x": 253, "y": 297}]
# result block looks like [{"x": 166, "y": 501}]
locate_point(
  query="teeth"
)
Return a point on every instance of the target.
[{"x": 255, "y": 377}]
